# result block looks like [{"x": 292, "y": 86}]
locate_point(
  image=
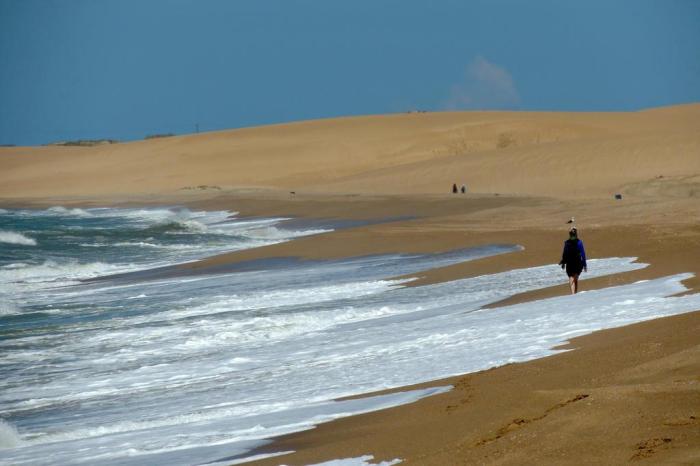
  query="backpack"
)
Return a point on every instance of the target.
[{"x": 572, "y": 255}]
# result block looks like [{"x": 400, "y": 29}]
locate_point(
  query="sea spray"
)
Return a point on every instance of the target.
[{"x": 9, "y": 437}]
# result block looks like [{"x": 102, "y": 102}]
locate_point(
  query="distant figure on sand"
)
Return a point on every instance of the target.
[
  {"x": 573, "y": 258},
  {"x": 454, "y": 188},
  {"x": 464, "y": 188}
]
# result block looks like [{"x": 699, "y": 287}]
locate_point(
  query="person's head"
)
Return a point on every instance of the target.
[{"x": 573, "y": 233}]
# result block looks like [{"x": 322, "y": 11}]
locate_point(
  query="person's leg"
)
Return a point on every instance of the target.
[
  {"x": 574, "y": 285},
  {"x": 571, "y": 284}
]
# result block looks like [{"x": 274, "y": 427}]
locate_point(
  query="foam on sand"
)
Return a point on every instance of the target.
[
  {"x": 359, "y": 461},
  {"x": 210, "y": 376}
]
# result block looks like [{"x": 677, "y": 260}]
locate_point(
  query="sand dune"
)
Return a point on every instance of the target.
[{"x": 651, "y": 152}]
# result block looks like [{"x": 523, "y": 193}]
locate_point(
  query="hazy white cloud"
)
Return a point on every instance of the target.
[{"x": 486, "y": 86}]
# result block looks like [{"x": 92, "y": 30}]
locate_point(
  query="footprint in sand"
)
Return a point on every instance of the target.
[{"x": 649, "y": 447}]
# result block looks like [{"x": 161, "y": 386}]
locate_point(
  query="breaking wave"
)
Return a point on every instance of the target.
[
  {"x": 51, "y": 271},
  {"x": 12, "y": 237},
  {"x": 9, "y": 437}
]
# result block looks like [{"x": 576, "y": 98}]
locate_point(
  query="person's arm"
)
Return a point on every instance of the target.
[{"x": 583, "y": 255}]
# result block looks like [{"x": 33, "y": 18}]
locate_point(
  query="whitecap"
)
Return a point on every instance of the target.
[
  {"x": 15, "y": 265},
  {"x": 9, "y": 437},
  {"x": 75, "y": 212},
  {"x": 12, "y": 237},
  {"x": 60, "y": 273}
]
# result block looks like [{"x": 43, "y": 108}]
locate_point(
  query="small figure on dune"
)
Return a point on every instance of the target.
[
  {"x": 454, "y": 188},
  {"x": 464, "y": 188},
  {"x": 573, "y": 259}
]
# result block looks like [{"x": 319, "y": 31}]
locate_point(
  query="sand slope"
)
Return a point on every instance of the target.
[{"x": 652, "y": 152}]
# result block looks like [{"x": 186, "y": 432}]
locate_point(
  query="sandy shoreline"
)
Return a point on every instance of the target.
[
  {"x": 497, "y": 416},
  {"x": 434, "y": 431},
  {"x": 623, "y": 395},
  {"x": 630, "y": 394}
]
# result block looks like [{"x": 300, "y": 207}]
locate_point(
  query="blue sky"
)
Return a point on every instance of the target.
[{"x": 123, "y": 69}]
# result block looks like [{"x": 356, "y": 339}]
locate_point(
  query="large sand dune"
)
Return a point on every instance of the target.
[{"x": 652, "y": 152}]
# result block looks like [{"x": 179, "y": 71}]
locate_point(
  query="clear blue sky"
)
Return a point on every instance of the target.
[{"x": 123, "y": 69}]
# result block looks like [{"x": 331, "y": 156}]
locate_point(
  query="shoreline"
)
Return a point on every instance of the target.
[
  {"x": 631, "y": 180},
  {"x": 462, "y": 225},
  {"x": 511, "y": 413}
]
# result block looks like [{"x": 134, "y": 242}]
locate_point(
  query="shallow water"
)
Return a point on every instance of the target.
[{"x": 188, "y": 370}]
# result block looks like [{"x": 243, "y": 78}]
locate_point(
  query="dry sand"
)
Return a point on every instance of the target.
[
  {"x": 544, "y": 154},
  {"x": 624, "y": 395}
]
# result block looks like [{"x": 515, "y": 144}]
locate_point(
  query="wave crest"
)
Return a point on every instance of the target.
[
  {"x": 59, "y": 273},
  {"x": 12, "y": 237},
  {"x": 60, "y": 210}
]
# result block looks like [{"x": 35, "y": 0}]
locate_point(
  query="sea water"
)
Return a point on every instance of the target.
[{"x": 194, "y": 369}]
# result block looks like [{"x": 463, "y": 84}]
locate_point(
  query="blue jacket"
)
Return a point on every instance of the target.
[{"x": 573, "y": 256}]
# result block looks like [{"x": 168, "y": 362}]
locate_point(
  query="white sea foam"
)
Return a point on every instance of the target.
[
  {"x": 9, "y": 437},
  {"x": 224, "y": 233},
  {"x": 274, "y": 233},
  {"x": 60, "y": 274},
  {"x": 359, "y": 461},
  {"x": 65, "y": 211},
  {"x": 146, "y": 244},
  {"x": 146, "y": 216},
  {"x": 15, "y": 265},
  {"x": 12, "y": 237},
  {"x": 286, "y": 298},
  {"x": 191, "y": 370},
  {"x": 7, "y": 308},
  {"x": 193, "y": 221},
  {"x": 237, "y": 441},
  {"x": 412, "y": 349}
]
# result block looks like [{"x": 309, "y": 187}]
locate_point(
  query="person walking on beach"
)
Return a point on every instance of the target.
[
  {"x": 573, "y": 259},
  {"x": 454, "y": 188}
]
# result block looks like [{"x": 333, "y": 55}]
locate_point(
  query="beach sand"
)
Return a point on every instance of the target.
[{"x": 623, "y": 395}]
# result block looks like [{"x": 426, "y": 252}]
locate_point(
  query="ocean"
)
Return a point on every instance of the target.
[{"x": 103, "y": 362}]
